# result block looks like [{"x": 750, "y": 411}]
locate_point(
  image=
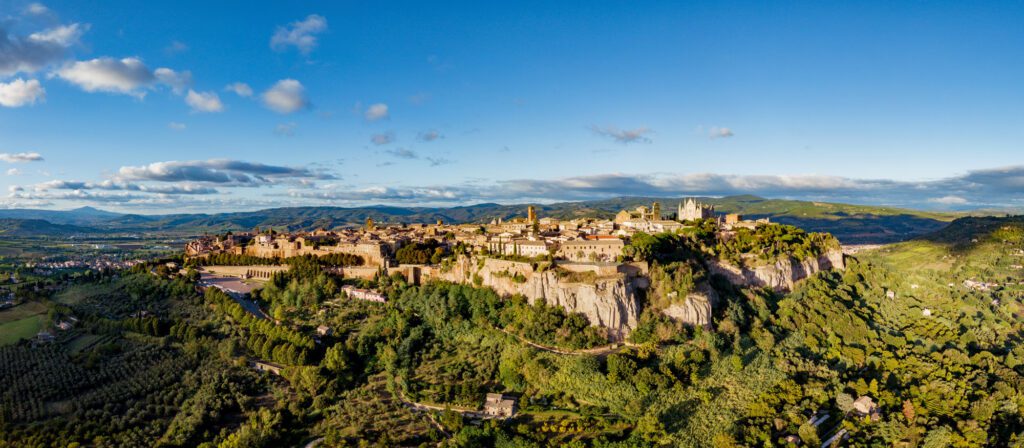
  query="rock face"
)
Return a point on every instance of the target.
[
  {"x": 782, "y": 275},
  {"x": 609, "y": 296},
  {"x": 610, "y": 301},
  {"x": 696, "y": 310}
]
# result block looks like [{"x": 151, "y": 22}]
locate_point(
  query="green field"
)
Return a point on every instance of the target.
[
  {"x": 15, "y": 331},
  {"x": 22, "y": 311},
  {"x": 21, "y": 322},
  {"x": 77, "y": 293}
]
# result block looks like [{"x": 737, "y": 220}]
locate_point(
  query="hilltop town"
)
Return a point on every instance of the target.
[
  {"x": 587, "y": 266},
  {"x": 378, "y": 245}
]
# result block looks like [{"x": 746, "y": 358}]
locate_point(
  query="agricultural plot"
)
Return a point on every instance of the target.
[
  {"x": 371, "y": 412},
  {"x": 12, "y": 332},
  {"x": 21, "y": 322}
]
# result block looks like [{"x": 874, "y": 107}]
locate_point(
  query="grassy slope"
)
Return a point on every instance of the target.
[
  {"x": 982, "y": 248},
  {"x": 13, "y": 332},
  {"x": 22, "y": 321}
]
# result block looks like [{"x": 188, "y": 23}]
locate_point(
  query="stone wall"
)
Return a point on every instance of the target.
[
  {"x": 372, "y": 253},
  {"x": 257, "y": 271}
]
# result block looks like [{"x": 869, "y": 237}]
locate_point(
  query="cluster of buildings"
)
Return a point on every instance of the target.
[
  {"x": 99, "y": 264},
  {"x": 575, "y": 240}
]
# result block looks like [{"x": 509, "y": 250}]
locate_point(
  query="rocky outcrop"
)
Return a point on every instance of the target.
[
  {"x": 608, "y": 300},
  {"x": 780, "y": 276},
  {"x": 696, "y": 308}
]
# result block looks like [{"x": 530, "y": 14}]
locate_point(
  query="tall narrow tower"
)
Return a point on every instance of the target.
[
  {"x": 531, "y": 214},
  {"x": 369, "y": 223},
  {"x": 656, "y": 211}
]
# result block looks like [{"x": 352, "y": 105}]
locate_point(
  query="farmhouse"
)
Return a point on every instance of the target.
[{"x": 498, "y": 405}]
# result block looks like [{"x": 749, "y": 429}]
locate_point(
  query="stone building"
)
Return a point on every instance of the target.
[
  {"x": 498, "y": 405},
  {"x": 640, "y": 213},
  {"x": 591, "y": 250},
  {"x": 691, "y": 210},
  {"x": 372, "y": 253},
  {"x": 519, "y": 246}
]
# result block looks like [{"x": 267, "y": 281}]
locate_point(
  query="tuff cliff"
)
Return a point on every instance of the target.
[
  {"x": 781, "y": 275},
  {"x": 608, "y": 294},
  {"x": 608, "y": 297},
  {"x": 696, "y": 309}
]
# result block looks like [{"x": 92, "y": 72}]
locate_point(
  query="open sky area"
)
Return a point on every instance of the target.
[{"x": 155, "y": 107}]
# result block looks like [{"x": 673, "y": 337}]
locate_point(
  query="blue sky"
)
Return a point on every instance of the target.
[{"x": 127, "y": 105}]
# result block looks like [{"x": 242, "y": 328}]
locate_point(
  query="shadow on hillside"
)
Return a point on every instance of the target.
[{"x": 868, "y": 229}]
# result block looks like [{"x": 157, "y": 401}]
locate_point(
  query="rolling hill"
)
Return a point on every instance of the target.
[{"x": 39, "y": 227}]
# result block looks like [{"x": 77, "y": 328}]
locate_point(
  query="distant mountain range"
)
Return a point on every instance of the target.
[
  {"x": 850, "y": 223},
  {"x": 37, "y": 227}
]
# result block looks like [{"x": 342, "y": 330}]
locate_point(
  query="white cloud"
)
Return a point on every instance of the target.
[
  {"x": 301, "y": 34},
  {"x": 30, "y": 53},
  {"x": 204, "y": 101},
  {"x": 13, "y": 172},
  {"x": 21, "y": 157},
  {"x": 217, "y": 171},
  {"x": 64, "y": 35},
  {"x": 177, "y": 81},
  {"x": 110, "y": 185},
  {"x": 240, "y": 88},
  {"x": 949, "y": 200},
  {"x": 286, "y": 96},
  {"x": 376, "y": 112},
  {"x": 720, "y": 132},
  {"x": 624, "y": 136},
  {"x": 19, "y": 93},
  {"x": 174, "y": 125},
  {"x": 37, "y": 9},
  {"x": 127, "y": 76}
]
